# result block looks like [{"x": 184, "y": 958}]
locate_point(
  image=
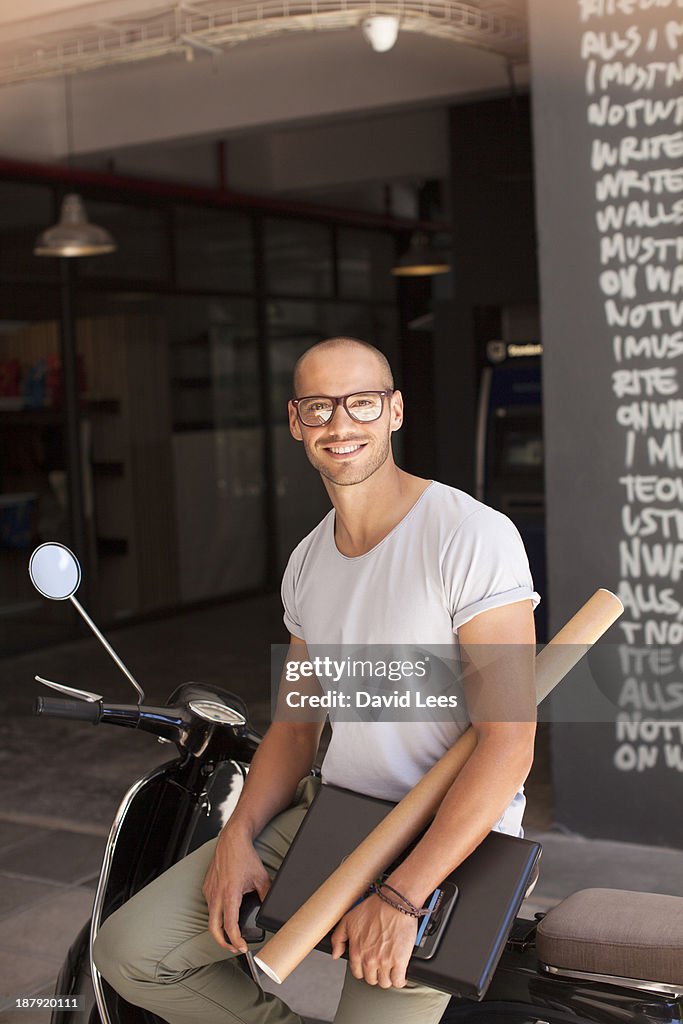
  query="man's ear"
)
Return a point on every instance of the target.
[
  {"x": 294, "y": 425},
  {"x": 396, "y": 410}
]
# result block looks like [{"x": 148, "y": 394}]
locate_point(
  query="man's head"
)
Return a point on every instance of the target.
[{"x": 345, "y": 366}]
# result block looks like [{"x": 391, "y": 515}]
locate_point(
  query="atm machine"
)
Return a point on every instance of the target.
[{"x": 509, "y": 465}]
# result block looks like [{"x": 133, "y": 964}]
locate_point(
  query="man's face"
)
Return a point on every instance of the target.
[{"x": 343, "y": 371}]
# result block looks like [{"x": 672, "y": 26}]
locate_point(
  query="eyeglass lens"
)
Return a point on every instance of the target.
[{"x": 363, "y": 407}]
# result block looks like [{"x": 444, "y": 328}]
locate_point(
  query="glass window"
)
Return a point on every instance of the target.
[
  {"x": 214, "y": 363},
  {"x": 141, "y": 236},
  {"x": 365, "y": 262},
  {"x": 172, "y": 425},
  {"x": 298, "y": 258},
  {"x": 177, "y": 443},
  {"x": 218, "y": 441},
  {"x": 25, "y": 211},
  {"x": 214, "y": 249},
  {"x": 33, "y": 483},
  {"x": 292, "y": 328},
  {"x": 376, "y": 324},
  {"x": 301, "y": 499}
]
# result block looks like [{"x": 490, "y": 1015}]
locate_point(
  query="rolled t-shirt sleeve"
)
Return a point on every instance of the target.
[
  {"x": 288, "y": 592},
  {"x": 486, "y": 566}
]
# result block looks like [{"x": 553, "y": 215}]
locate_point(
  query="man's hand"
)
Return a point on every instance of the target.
[
  {"x": 236, "y": 868},
  {"x": 381, "y": 941}
]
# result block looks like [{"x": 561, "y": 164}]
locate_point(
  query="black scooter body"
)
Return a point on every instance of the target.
[
  {"x": 170, "y": 812},
  {"x": 520, "y": 994}
]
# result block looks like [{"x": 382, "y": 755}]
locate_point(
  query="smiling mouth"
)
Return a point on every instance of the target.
[{"x": 345, "y": 450}]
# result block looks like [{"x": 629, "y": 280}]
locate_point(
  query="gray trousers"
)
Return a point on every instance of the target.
[{"x": 156, "y": 951}]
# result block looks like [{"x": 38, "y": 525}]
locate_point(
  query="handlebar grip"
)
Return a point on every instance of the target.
[{"x": 83, "y": 711}]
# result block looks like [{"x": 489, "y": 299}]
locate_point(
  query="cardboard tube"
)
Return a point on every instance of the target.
[
  {"x": 575, "y": 639},
  {"x": 321, "y": 912}
]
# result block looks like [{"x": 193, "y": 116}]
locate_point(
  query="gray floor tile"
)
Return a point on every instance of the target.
[
  {"x": 25, "y": 1016},
  {"x": 48, "y": 929},
  {"x": 82, "y": 774},
  {"x": 11, "y": 834},
  {"x": 313, "y": 988},
  {"x": 17, "y": 893},
  {"x": 57, "y": 856},
  {"x": 24, "y": 974},
  {"x": 29, "y": 1016},
  {"x": 570, "y": 863}
]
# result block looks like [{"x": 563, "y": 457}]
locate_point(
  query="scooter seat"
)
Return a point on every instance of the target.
[{"x": 628, "y": 937}]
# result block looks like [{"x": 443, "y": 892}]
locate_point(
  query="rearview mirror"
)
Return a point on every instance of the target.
[{"x": 54, "y": 571}]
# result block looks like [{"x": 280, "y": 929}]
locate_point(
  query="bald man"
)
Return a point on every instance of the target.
[{"x": 398, "y": 559}]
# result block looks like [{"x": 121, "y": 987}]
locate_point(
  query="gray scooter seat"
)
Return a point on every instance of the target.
[{"x": 632, "y": 939}]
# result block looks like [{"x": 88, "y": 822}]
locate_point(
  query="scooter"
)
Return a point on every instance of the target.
[{"x": 181, "y": 804}]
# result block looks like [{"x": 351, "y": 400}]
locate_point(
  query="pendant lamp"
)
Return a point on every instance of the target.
[
  {"x": 421, "y": 260},
  {"x": 73, "y": 235}
]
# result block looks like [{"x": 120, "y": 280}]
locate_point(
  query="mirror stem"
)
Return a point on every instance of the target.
[{"x": 107, "y": 646}]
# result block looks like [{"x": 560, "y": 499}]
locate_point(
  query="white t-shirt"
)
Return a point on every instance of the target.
[{"x": 450, "y": 558}]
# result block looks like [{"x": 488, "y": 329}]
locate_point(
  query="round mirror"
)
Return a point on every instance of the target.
[{"x": 54, "y": 571}]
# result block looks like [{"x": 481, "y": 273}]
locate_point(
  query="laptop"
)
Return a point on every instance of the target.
[{"x": 478, "y": 905}]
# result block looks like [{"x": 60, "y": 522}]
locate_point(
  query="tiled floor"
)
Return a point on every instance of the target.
[{"x": 47, "y": 886}]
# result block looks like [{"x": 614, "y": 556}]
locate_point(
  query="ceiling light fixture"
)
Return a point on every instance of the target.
[
  {"x": 421, "y": 260},
  {"x": 381, "y": 31},
  {"x": 73, "y": 235}
]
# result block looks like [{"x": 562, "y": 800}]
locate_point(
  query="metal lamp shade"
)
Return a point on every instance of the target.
[
  {"x": 74, "y": 235},
  {"x": 420, "y": 260}
]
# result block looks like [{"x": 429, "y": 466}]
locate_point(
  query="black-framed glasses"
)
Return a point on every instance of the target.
[{"x": 362, "y": 406}]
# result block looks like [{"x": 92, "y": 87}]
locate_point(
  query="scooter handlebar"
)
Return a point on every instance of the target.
[{"x": 83, "y": 711}]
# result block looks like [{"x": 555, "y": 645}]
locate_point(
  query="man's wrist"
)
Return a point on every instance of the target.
[
  {"x": 239, "y": 827},
  {"x": 409, "y": 887}
]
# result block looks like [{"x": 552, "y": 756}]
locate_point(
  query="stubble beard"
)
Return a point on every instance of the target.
[{"x": 349, "y": 474}]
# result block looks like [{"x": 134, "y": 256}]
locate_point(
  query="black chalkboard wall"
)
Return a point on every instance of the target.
[{"x": 607, "y": 102}]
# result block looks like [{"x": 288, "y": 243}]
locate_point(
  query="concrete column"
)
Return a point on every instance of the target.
[{"x": 607, "y": 116}]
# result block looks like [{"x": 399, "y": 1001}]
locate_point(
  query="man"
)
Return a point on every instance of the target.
[{"x": 397, "y": 560}]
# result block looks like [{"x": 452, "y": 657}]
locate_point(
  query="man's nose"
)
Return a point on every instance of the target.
[{"x": 339, "y": 408}]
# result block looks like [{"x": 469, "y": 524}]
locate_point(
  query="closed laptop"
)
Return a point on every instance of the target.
[{"x": 491, "y": 885}]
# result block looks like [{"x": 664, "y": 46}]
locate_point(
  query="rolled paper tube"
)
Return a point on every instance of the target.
[
  {"x": 404, "y": 822},
  {"x": 575, "y": 639}
]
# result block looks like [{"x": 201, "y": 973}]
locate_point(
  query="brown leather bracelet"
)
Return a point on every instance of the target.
[
  {"x": 415, "y": 910},
  {"x": 396, "y": 906},
  {"x": 410, "y": 909}
]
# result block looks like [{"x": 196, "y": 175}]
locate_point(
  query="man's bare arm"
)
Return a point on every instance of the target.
[
  {"x": 500, "y": 762},
  {"x": 284, "y": 756},
  {"x": 380, "y": 940}
]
